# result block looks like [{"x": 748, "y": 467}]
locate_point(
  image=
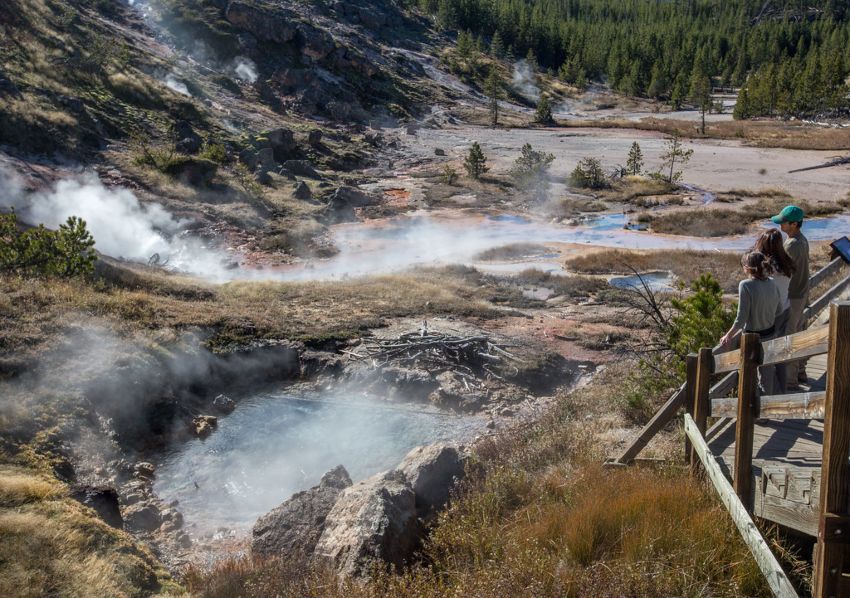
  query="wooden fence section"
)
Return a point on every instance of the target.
[
  {"x": 668, "y": 411},
  {"x": 787, "y": 455}
]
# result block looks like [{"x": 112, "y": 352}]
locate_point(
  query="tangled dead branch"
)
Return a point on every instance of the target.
[{"x": 472, "y": 358}]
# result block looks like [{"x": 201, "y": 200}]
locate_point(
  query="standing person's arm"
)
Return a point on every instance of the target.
[{"x": 741, "y": 317}]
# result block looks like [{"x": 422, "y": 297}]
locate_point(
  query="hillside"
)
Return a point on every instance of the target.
[{"x": 244, "y": 242}]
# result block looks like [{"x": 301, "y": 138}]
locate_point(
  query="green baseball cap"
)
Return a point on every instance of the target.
[{"x": 789, "y": 214}]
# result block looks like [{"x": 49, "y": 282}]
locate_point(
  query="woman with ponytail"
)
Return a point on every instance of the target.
[
  {"x": 771, "y": 245},
  {"x": 759, "y": 303}
]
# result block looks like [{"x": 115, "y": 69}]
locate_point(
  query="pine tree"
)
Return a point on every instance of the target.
[
  {"x": 674, "y": 152},
  {"x": 742, "y": 105},
  {"x": 700, "y": 94},
  {"x": 531, "y": 59},
  {"x": 543, "y": 114},
  {"x": 475, "y": 162},
  {"x": 465, "y": 44},
  {"x": 493, "y": 87},
  {"x": 497, "y": 46},
  {"x": 634, "y": 163}
]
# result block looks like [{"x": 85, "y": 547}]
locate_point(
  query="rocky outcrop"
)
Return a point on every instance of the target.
[
  {"x": 142, "y": 517},
  {"x": 264, "y": 25},
  {"x": 104, "y": 501},
  {"x": 343, "y": 201},
  {"x": 203, "y": 425},
  {"x": 292, "y": 530},
  {"x": 432, "y": 472},
  {"x": 373, "y": 521}
]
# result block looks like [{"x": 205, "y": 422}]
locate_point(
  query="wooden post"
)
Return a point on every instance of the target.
[
  {"x": 702, "y": 398},
  {"x": 833, "y": 548},
  {"x": 747, "y": 405},
  {"x": 690, "y": 387}
]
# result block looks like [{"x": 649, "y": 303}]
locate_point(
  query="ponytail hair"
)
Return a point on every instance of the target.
[{"x": 757, "y": 265}]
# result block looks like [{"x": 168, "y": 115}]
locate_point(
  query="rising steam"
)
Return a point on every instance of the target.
[
  {"x": 245, "y": 70},
  {"x": 524, "y": 82},
  {"x": 121, "y": 226}
]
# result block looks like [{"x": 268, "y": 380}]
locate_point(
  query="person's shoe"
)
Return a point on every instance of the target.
[{"x": 793, "y": 387}]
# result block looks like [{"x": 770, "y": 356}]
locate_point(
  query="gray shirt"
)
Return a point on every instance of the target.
[
  {"x": 758, "y": 304},
  {"x": 798, "y": 249}
]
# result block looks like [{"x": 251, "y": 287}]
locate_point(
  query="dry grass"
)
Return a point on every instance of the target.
[
  {"x": 53, "y": 546},
  {"x": 630, "y": 189},
  {"x": 717, "y": 222},
  {"x": 540, "y": 517},
  {"x": 566, "y": 286},
  {"x": 762, "y": 133},
  {"x": 34, "y": 311},
  {"x": 687, "y": 265}
]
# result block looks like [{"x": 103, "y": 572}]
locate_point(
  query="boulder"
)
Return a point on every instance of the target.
[
  {"x": 104, "y": 501},
  {"x": 203, "y": 425},
  {"x": 144, "y": 470},
  {"x": 142, "y": 516},
  {"x": 314, "y": 137},
  {"x": 432, "y": 472},
  {"x": 265, "y": 160},
  {"x": 439, "y": 152},
  {"x": 197, "y": 172},
  {"x": 186, "y": 140},
  {"x": 248, "y": 157},
  {"x": 317, "y": 43},
  {"x": 292, "y": 529},
  {"x": 373, "y": 521},
  {"x": 224, "y": 404},
  {"x": 262, "y": 24},
  {"x": 282, "y": 141},
  {"x": 301, "y": 168},
  {"x": 302, "y": 191},
  {"x": 350, "y": 197}
]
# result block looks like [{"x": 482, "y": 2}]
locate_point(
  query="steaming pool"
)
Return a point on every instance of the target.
[{"x": 277, "y": 444}]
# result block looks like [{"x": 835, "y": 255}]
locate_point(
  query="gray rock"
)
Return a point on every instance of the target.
[
  {"x": 281, "y": 140},
  {"x": 292, "y": 530},
  {"x": 432, "y": 472},
  {"x": 439, "y": 152},
  {"x": 372, "y": 521},
  {"x": 265, "y": 160},
  {"x": 224, "y": 404},
  {"x": 186, "y": 140},
  {"x": 264, "y": 25},
  {"x": 302, "y": 191},
  {"x": 143, "y": 517},
  {"x": 301, "y": 168},
  {"x": 144, "y": 469},
  {"x": 103, "y": 499},
  {"x": 248, "y": 157},
  {"x": 203, "y": 425},
  {"x": 314, "y": 137}
]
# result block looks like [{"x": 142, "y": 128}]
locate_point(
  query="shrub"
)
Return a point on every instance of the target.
[
  {"x": 449, "y": 175},
  {"x": 66, "y": 252},
  {"x": 531, "y": 169},
  {"x": 215, "y": 152},
  {"x": 543, "y": 114},
  {"x": 475, "y": 162},
  {"x": 588, "y": 174}
]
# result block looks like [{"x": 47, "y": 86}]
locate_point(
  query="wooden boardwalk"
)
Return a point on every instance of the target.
[{"x": 784, "y": 458}]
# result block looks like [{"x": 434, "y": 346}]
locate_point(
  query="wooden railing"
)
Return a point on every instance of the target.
[
  {"x": 721, "y": 388},
  {"x": 833, "y": 405}
]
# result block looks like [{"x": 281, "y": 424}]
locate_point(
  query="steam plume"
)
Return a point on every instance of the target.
[{"x": 523, "y": 81}]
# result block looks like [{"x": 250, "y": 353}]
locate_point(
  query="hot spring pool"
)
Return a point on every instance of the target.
[{"x": 277, "y": 444}]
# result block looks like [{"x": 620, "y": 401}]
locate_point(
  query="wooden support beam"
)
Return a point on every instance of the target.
[
  {"x": 727, "y": 362},
  {"x": 776, "y": 578},
  {"x": 833, "y": 267},
  {"x": 742, "y": 471},
  {"x": 831, "y": 555},
  {"x": 801, "y": 405},
  {"x": 815, "y": 308},
  {"x": 690, "y": 394},
  {"x": 808, "y": 343},
  {"x": 702, "y": 401}
]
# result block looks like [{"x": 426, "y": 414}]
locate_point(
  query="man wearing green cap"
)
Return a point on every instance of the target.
[{"x": 790, "y": 221}]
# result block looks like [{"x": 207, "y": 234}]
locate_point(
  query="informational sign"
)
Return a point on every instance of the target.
[{"x": 842, "y": 248}]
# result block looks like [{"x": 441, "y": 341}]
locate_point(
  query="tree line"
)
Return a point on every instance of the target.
[{"x": 792, "y": 58}]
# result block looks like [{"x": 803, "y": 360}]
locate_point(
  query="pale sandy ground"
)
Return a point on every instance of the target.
[{"x": 716, "y": 165}]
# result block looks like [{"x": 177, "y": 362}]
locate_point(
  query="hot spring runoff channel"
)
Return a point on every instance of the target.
[{"x": 274, "y": 445}]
